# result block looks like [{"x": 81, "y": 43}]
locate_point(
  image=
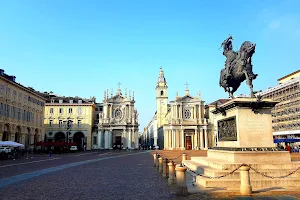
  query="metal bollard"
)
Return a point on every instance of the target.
[
  {"x": 156, "y": 162},
  {"x": 171, "y": 179},
  {"x": 184, "y": 156},
  {"x": 160, "y": 168},
  {"x": 181, "y": 188},
  {"x": 165, "y": 168},
  {"x": 155, "y": 158},
  {"x": 246, "y": 188}
]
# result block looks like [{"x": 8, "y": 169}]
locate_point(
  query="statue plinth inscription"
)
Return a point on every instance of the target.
[{"x": 227, "y": 129}]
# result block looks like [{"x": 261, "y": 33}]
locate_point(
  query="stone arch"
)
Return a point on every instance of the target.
[
  {"x": 18, "y": 135},
  {"x": 6, "y": 132},
  {"x": 78, "y": 138},
  {"x": 59, "y": 137}
]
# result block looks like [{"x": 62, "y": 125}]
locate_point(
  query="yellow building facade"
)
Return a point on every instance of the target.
[
  {"x": 21, "y": 112},
  {"x": 59, "y": 110}
]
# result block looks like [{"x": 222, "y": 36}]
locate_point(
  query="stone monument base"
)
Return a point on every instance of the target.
[
  {"x": 245, "y": 137},
  {"x": 221, "y": 165},
  {"x": 252, "y": 156}
]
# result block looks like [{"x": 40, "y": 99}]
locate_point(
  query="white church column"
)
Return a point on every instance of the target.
[
  {"x": 206, "y": 138},
  {"x": 100, "y": 139},
  {"x": 182, "y": 139},
  {"x": 110, "y": 139},
  {"x": 201, "y": 139},
  {"x": 177, "y": 133},
  {"x": 124, "y": 136},
  {"x": 170, "y": 139},
  {"x": 129, "y": 138},
  {"x": 136, "y": 139},
  {"x": 105, "y": 111},
  {"x": 105, "y": 139},
  {"x": 130, "y": 113},
  {"x": 196, "y": 139}
]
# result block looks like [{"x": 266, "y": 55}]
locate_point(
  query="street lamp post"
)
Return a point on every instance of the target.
[{"x": 68, "y": 129}]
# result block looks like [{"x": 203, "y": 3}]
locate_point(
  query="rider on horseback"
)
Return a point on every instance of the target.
[{"x": 230, "y": 54}]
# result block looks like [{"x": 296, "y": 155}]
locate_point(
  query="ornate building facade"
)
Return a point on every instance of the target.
[
  {"x": 118, "y": 122},
  {"x": 286, "y": 114},
  {"x": 181, "y": 123},
  {"x": 80, "y": 112},
  {"x": 21, "y": 112}
]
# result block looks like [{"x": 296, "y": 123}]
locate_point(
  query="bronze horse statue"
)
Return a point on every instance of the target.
[{"x": 238, "y": 66}]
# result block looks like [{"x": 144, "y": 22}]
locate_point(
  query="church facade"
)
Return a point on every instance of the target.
[
  {"x": 181, "y": 122},
  {"x": 118, "y": 122}
]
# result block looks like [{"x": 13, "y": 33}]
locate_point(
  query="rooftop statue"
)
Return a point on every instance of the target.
[{"x": 238, "y": 66}]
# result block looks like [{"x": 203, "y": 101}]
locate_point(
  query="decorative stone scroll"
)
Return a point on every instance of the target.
[{"x": 227, "y": 130}]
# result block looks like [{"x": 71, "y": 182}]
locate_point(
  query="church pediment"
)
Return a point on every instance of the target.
[
  {"x": 117, "y": 98},
  {"x": 187, "y": 98}
]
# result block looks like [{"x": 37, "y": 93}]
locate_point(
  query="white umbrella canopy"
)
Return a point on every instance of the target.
[{"x": 11, "y": 144}]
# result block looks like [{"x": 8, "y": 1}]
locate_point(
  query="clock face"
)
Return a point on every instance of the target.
[
  {"x": 118, "y": 114},
  {"x": 162, "y": 102},
  {"x": 187, "y": 114}
]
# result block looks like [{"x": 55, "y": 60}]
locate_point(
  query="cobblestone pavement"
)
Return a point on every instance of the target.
[
  {"x": 127, "y": 177},
  {"x": 101, "y": 175}
]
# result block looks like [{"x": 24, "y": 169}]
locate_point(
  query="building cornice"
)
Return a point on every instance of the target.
[{"x": 18, "y": 85}]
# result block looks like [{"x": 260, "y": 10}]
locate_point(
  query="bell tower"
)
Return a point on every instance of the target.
[{"x": 161, "y": 98}]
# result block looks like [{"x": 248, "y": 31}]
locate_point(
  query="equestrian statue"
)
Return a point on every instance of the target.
[{"x": 238, "y": 66}]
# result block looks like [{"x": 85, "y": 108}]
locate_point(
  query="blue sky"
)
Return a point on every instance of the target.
[{"x": 85, "y": 47}]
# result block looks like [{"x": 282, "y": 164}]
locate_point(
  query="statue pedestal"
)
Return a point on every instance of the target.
[
  {"x": 245, "y": 132},
  {"x": 245, "y": 136}
]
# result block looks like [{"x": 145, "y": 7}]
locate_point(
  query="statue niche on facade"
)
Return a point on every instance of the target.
[{"x": 238, "y": 66}]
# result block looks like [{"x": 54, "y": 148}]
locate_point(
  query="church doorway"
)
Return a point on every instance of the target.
[
  {"x": 188, "y": 142},
  {"x": 118, "y": 142},
  {"x": 78, "y": 138},
  {"x": 59, "y": 137}
]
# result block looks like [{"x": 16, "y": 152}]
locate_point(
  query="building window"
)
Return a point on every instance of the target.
[
  {"x": 50, "y": 122},
  {"x": 71, "y": 101},
  {"x": 51, "y": 110},
  {"x": 52, "y": 100},
  {"x": 70, "y": 110},
  {"x": 60, "y": 101},
  {"x": 79, "y": 111},
  {"x": 61, "y": 111},
  {"x": 60, "y": 123},
  {"x": 79, "y": 101},
  {"x": 95, "y": 140},
  {"x": 161, "y": 93},
  {"x": 79, "y": 123}
]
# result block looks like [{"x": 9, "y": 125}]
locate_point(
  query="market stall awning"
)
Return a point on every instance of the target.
[{"x": 11, "y": 144}]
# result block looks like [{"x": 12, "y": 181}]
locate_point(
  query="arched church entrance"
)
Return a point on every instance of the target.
[
  {"x": 78, "y": 138},
  {"x": 6, "y": 133},
  {"x": 59, "y": 137}
]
